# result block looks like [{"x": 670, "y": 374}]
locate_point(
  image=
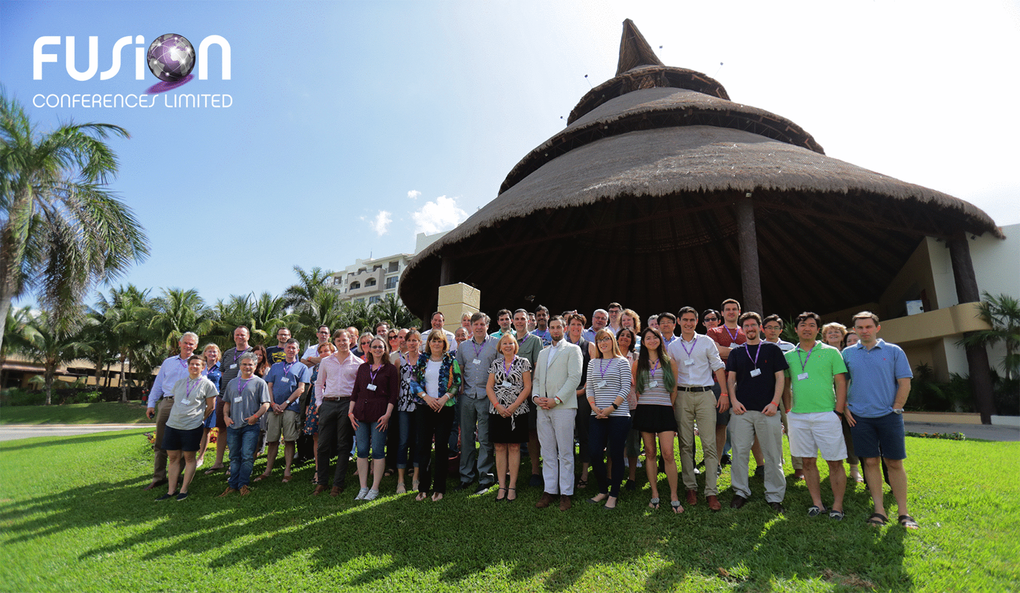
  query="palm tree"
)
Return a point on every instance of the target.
[
  {"x": 355, "y": 313},
  {"x": 298, "y": 297},
  {"x": 126, "y": 314},
  {"x": 62, "y": 231},
  {"x": 270, "y": 314},
  {"x": 323, "y": 309},
  {"x": 51, "y": 342},
  {"x": 392, "y": 310},
  {"x": 1003, "y": 314},
  {"x": 179, "y": 311}
]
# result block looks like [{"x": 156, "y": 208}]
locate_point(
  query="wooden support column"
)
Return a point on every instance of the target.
[
  {"x": 977, "y": 357},
  {"x": 747, "y": 238},
  {"x": 446, "y": 271}
]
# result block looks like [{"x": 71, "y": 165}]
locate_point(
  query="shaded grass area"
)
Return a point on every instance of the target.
[
  {"x": 73, "y": 517},
  {"x": 95, "y": 413}
]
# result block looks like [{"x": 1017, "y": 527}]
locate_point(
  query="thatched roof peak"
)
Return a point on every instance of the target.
[{"x": 634, "y": 50}]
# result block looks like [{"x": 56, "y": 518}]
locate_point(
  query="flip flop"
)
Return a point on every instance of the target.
[
  {"x": 877, "y": 519},
  {"x": 815, "y": 510},
  {"x": 213, "y": 470},
  {"x": 653, "y": 504},
  {"x": 908, "y": 522},
  {"x": 676, "y": 506},
  {"x": 286, "y": 479},
  {"x": 837, "y": 515}
]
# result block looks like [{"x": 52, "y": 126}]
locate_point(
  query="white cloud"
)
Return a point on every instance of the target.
[
  {"x": 413, "y": 194},
  {"x": 382, "y": 221},
  {"x": 438, "y": 216}
]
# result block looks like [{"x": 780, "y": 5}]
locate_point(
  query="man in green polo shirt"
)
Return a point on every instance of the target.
[{"x": 816, "y": 387}]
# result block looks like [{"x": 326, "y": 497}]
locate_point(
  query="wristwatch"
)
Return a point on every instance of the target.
[{"x": 897, "y": 411}]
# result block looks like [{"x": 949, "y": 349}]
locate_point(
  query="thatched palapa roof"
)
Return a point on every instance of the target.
[{"x": 634, "y": 202}]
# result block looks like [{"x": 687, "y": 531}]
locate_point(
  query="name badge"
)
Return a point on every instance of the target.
[
  {"x": 802, "y": 376},
  {"x": 600, "y": 384},
  {"x": 233, "y": 366},
  {"x": 653, "y": 384},
  {"x": 476, "y": 361},
  {"x": 506, "y": 384},
  {"x": 755, "y": 372},
  {"x": 285, "y": 380},
  {"x": 237, "y": 400},
  {"x": 186, "y": 402},
  {"x": 371, "y": 387},
  {"x": 689, "y": 362}
]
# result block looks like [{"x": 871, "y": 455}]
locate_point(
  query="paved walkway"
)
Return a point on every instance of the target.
[
  {"x": 984, "y": 432},
  {"x": 10, "y": 432}
]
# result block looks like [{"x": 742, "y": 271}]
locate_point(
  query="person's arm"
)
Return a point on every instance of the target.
[
  {"x": 724, "y": 399},
  {"x": 574, "y": 359},
  {"x": 787, "y": 395},
  {"x": 320, "y": 381},
  {"x": 731, "y": 388},
  {"x": 525, "y": 393},
  {"x": 490, "y": 391},
  {"x": 840, "y": 380},
  {"x": 226, "y": 412},
  {"x": 772, "y": 407},
  {"x": 272, "y": 402},
  {"x": 902, "y": 393},
  {"x": 156, "y": 392}
]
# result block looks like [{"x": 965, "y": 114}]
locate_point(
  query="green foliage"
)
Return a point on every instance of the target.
[
  {"x": 21, "y": 397},
  {"x": 34, "y": 412},
  {"x": 95, "y": 530},
  {"x": 928, "y": 394},
  {"x": 951, "y": 436},
  {"x": 1003, "y": 314}
]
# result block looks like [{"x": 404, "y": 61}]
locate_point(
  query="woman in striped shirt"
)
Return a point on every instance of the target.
[{"x": 608, "y": 385}]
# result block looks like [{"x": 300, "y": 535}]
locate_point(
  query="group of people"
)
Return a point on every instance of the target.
[{"x": 579, "y": 397}]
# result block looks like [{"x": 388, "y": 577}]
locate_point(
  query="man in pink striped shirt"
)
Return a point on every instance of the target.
[{"x": 336, "y": 436}]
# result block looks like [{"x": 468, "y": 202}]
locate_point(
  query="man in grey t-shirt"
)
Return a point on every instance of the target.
[{"x": 245, "y": 400}]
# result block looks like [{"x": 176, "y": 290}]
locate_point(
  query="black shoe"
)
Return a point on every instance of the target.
[
  {"x": 759, "y": 472},
  {"x": 778, "y": 507},
  {"x": 536, "y": 481},
  {"x": 724, "y": 460},
  {"x": 463, "y": 486},
  {"x": 483, "y": 488},
  {"x": 165, "y": 497},
  {"x": 631, "y": 485},
  {"x": 737, "y": 502}
]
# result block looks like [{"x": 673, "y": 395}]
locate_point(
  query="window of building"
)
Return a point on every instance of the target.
[
  {"x": 337, "y": 281},
  {"x": 394, "y": 267},
  {"x": 391, "y": 282},
  {"x": 370, "y": 282},
  {"x": 355, "y": 285},
  {"x": 376, "y": 267},
  {"x": 373, "y": 300}
]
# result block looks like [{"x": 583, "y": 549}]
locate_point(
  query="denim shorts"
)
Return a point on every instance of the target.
[
  {"x": 879, "y": 437},
  {"x": 175, "y": 439}
]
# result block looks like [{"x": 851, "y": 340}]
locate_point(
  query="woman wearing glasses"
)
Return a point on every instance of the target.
[{"x": 376, "y": 389}]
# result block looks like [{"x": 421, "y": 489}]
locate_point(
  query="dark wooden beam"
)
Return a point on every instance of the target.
[
  {"x": 977, "y": 357},
  {"x": 747, "y": 239}
]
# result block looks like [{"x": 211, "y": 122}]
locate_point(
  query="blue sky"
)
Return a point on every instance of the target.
[{"x": 356, "y": 124}]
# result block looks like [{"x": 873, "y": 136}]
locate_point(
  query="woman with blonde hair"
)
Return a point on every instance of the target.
[
  {"x": 609, "y": 381},
  {"x": 508, "y": 389},
  {"x": 438, "y": 372}
]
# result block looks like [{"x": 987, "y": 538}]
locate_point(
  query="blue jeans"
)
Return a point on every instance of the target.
[
  {"x": 406, "y": 440},
  {"x": 241, "y": 442},
  {"x": 370, "y": 431},
  {"x": 611, "y": 431}
]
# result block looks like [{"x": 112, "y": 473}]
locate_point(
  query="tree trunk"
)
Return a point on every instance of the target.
[
  {"x": 48, "y": 379},
  {"x": 123, "y": 383}
]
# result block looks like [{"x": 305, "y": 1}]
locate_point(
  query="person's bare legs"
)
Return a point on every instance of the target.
[
  {"x": 205, "y": 443},
  {"x": 651, "y": 469},
  {"x": 173, "y": 470},
  {"x": 288, "y": 456},
  {"x": 897, "y": 480},
  {"x": 363, "y": 472},
  {"x": 759, "y": 459},
  {"x": 221, "y": 447},
  {"x": 513, "y": 455},
  {"x": 837, "y": 479},
  {"x": 534, "y": 453},
  {"x": 811, "y": 480},
  {"x": 720, "y": 442},
  {"x": 669, "y": 460},
  {"x": 584, "y": 471},
  {"x": 873, "y": 472},
  {"x": 378, "y": 469},
  {"x": 632, "y": 463},
  {"x": 190, "y": 465},
  {"x": 271, "y": 451},
  {"x": 315, "y": 447},
  {"x": 501, "y": 467}
]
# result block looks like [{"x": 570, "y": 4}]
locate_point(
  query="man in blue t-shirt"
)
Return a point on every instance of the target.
[
  {"x": 286, "y": 381},
  {"x": 755, "y": 380},
  {"x": 879, "y": 385}
]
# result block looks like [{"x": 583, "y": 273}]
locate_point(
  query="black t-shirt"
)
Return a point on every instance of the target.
[
  {"x": 276, "y": 354},
  {"x": 755, "y": 392}
]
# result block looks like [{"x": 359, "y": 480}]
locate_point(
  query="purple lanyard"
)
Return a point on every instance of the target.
[
  {"x": 733, "y": 336},
  {"x": 241, "y": 385},
  {"x": 184, "y": 363},
  {"x": 602, "y": 369},
  {"x": 478, "y": 347},
  {"x": 655, "y": 367},
  {"x": 188, "y": 386},
  {"x": 756, "y": 353},
  {"x": 286, "y": 368},
  {"x": 683, "y": 345},
  {"x": 507, "y": 367},
  {"x": 804, "y": 361},
  {"x": 238, "y": 354},
  {"x": 372, "y": 374}
]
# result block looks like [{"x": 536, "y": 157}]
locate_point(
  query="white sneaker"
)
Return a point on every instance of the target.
[
  {"x": 372, "y": 495},
  {"x": 361, "y": 494}
]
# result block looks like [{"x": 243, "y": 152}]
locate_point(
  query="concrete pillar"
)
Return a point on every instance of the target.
[
  {"x": 747, "y": 239},
  {"x": 457, "y": 299},
  {"x": 977, "y": 357}
]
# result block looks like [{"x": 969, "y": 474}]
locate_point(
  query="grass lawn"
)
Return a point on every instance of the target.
[
  {"x": 73, "y": 517},
  {"x": 97, "y": 413}
]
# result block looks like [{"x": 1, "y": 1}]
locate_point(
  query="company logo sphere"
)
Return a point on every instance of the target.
[{"x": 171, "y": 57}]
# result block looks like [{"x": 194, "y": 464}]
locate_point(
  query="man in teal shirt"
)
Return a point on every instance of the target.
[{"x": 816, "y": 388}]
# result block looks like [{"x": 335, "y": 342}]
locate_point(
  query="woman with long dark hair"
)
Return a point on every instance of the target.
[{"x": 655, "y": 384}]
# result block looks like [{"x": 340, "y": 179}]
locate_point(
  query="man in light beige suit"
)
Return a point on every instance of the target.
[{"x": 557, "y": 373}]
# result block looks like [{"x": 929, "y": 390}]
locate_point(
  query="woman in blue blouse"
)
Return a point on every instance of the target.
[
  {"x": 212, "y": 357},
  {"x": 439, "y": 374}
]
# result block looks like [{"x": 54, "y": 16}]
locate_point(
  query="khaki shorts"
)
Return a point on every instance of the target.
[{"x": 289, "y": 423}]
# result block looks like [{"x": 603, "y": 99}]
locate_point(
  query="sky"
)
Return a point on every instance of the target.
[{"x": 352, "y": 126}]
